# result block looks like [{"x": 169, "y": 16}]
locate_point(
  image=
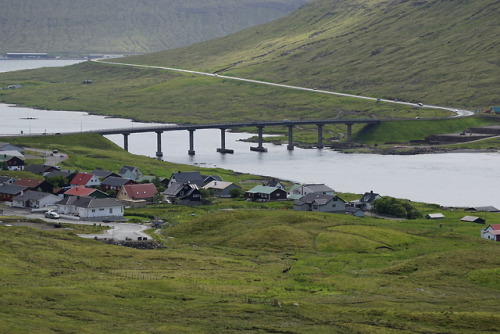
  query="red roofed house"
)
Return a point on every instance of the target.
[
  {"x": 492, "y": 232},
  {"x": 85, "y": 180},
  {"x": 82, "y": 191},
  {"x": 137, "y": 192}
]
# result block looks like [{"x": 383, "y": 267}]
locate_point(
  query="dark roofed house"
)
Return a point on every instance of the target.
[
  {"x": 103, "y": 174},
  {"x": 483, "y": 209},
  {"x": 473, "y": 219},
  {"x": 10, "y": 147},
  {"x": 275, "y": 184},
  {"x": 9, "y": 191},
  {"x": 183, "y": 193},
  {"x": 12, "y": 162},
  {"x": 115, "y": 183},
  {"x": 187, "y": 177},
  {"x": 6, "y": 180},
  {"x": 209, "y": 178},
  {"x": 320, "y": 203},
  {"x": 265, "y": 194},
  {"x": 34, "y": 184},
  {"x": 40, "y": 169},
  {"x": 35, "y": 200},
  {"x": 221, "y": 189},
  {"x": 366, "y": 201}
]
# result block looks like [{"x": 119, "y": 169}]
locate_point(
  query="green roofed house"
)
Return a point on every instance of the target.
[{"x": 265, "y": 194}]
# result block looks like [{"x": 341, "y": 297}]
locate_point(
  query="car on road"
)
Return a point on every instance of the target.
[{"x": 52, "y": 214}]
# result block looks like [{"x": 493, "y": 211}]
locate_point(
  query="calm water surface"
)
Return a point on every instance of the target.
[{"x": 454, "y": 179}]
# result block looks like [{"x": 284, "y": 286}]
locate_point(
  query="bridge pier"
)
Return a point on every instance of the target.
[
  {"x": 320, "y": 136},
  {"x": 159, "y": 153},
  {"x": 191, "y": 141},
  {"x": 125, "y": 141},
  {"x": 290, "y": 138},
  {"x": 259, "y": 148},
  {"x": 349, "y": 131},
  {"x": 223, "y": 148}
]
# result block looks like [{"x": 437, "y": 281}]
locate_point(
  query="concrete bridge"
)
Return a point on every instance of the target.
[{"x": 260, "y": 125}]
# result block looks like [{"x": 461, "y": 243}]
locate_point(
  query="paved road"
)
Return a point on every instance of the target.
[
  {"x": 117, "y": 231},
  {"x": 458, "y": 112}
]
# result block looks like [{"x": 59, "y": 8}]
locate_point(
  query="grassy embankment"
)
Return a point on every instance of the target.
[{"x": 250, "y": 269}]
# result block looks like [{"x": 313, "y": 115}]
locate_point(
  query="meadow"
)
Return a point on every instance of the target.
[{"x": 254, "y": 267}]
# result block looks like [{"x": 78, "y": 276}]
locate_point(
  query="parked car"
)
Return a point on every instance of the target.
[{"x": 52, "y": 214}]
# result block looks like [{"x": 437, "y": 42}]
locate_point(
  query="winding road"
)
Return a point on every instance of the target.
[{"x": 458, "y": 112}]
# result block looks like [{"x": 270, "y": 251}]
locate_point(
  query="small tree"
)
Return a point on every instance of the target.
[{"x": 395, "y": 207}]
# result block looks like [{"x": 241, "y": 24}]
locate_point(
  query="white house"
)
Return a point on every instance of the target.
[
  {"x": 492, "y": 232},
  {"x": 130, "y": 172},
  {"x": 91, "y": 208}
]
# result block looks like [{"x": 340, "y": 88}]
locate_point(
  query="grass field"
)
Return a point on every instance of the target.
[{"x": 237, "y": 266}]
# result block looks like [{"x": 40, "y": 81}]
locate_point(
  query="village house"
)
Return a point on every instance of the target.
[
  {"x": 187, "y": 177},
  {"x": 130, "y": 172},
  {"x": 6, "y": 180},
  {"x": 34, "y": 184},
  {"x": 209, "y": 178},
  {"x": 473, "y": 219},
  {"x": 137, "y": 192},
  {"x": 357, "y": 212},
  {"x": 366, "y": 201},
  {"x": 221, "y": 188},
  {"x": 12, "y": 162},
  {"x": 9, "y": 191},
  {"x": 183, "y": 193},
  {"x": 113, "y": 183},
  {"x": 299, "y": 190},
  {"x": 40, "y": 169},
  {"x": 320, "y": 203},
  {"x": 89, "y": 208},
  {"x": 492, "y": 232},
  {"x": 265, "y": 194},
  {"x": 35, "y": 200},
  {"x": 275, "y": 184},
  {"x": 83, "y": 191},
  {"x": 10, "y": 147},
  {"x": 85, "y": 180},
  {"x": 104, "y": 174},
  {"x": 434, "y": 216}
]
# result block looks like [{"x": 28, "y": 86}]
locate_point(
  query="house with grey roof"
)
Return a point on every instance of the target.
[
  {"x": 35, "y": 200},
  {"x": 183, "y": 193},
  {"x": 115, "y": 183},
  {"x": 473, "y": 219},
  {"x": 187, "y": 177},
  {"x": 320, "y": 203},
  {"x": 89, "y": 208},
  {"x": 366, "y": 201},
  {"x": 130, "y": 172},
  {"x": 275, "y": 184},
  {"x": 9, "y": 191},
  {"x": 265, "y": 194},
  {"x": 299, "y": 190},
  {"x": 103, "y": 174},
  {"x": 9, "y": 147},
  {"x": 40, "y": 169},
  {"x": 6, "y": 180}
]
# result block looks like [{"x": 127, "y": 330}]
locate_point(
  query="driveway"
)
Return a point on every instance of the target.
[{"x": 117, "y": 231}]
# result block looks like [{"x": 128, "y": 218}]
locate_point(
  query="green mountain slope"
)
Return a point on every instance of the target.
[
  {"x": 127, "y": 26},
  {"x": 436, "y": 51}
]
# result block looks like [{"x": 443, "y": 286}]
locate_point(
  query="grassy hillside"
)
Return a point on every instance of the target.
[
  {"x": 127, "y": 26},
  {"x": 239, "y": 266},
  {"x": 258, "y": 272},
  {"x": 436, "y": 51}
]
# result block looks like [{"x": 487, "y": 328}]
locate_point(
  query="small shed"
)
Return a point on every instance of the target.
[
  {"x": 473, "y": 219},
  {"x": 434, "y": 216}
]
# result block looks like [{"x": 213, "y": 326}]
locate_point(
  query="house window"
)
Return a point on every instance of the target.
[
  {"x": 93, "y": 210},
  {"x": 110, "y": 210},
  {"x": 315, "y": 207}
]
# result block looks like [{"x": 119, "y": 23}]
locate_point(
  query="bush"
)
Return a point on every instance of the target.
[{"x": 395, "y": 207}]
